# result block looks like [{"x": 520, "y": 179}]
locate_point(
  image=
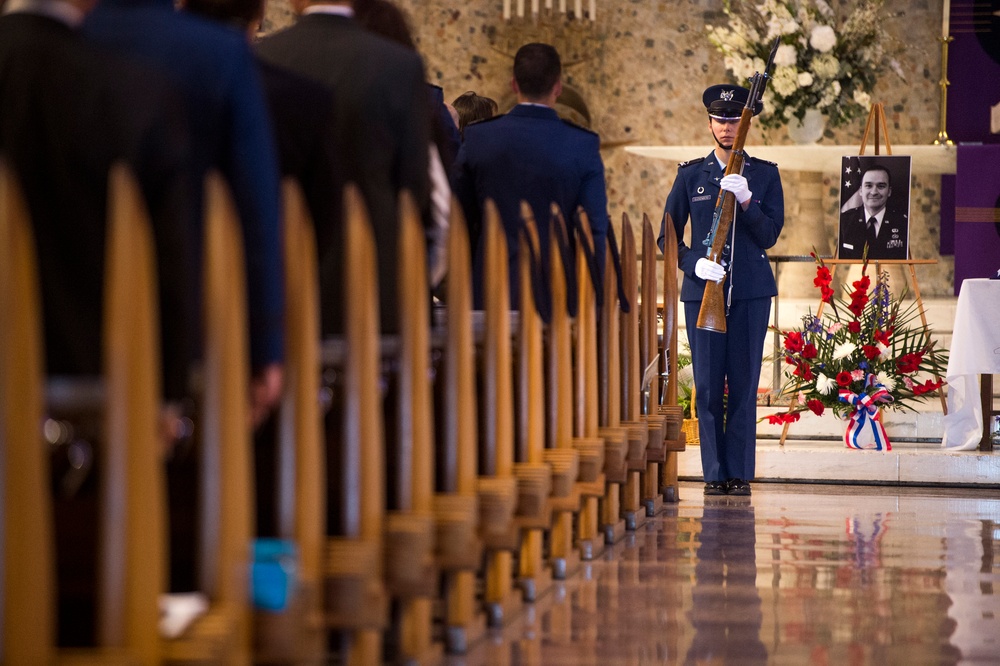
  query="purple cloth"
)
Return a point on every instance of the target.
[
  {"x": 977, "y": 213},
  {"x": 947, "y": 229},
  {"x": 973, "y": 71}
]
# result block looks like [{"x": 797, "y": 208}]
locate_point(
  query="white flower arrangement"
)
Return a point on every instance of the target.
[{"x": 826, "y": 61}]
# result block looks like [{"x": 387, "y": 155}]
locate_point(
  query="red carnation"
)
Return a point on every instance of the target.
[
  {"x": 871, "y": 351},
  {"x": 844, "y": 379},
  {"x": 854, "y": 326},
  {"x": 815, "y": 406},
  {"x": 809, "y": 351}
]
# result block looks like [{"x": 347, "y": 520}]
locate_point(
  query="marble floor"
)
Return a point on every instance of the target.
[{"x": 795, "y": 574}]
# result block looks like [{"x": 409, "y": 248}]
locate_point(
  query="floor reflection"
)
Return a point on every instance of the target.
[
  {"x": 725, "y": 605},
  {"x": 797, "y": 574}
]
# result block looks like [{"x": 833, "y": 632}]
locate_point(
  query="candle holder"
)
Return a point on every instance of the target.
[{"x": 942, "y": 137}]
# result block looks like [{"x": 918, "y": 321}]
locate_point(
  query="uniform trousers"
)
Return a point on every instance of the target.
[{"x": 731, "y": 361}]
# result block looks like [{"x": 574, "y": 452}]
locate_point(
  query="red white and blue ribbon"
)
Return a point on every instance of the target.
[{"x": 865, "y": 431}]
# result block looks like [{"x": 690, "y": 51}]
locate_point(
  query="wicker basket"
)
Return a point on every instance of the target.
[{"x": 690, "y": 426}]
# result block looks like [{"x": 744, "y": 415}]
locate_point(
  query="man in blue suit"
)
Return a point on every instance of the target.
[
  {"x": 530, "y": 154},
  {"x": 213, "y": 68},
  {"x": 727, "y": 365}
]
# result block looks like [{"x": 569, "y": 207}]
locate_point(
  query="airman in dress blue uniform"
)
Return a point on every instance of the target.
[
  {"x": 531, "y": 154},
  {"x": 727, "y": 365}
]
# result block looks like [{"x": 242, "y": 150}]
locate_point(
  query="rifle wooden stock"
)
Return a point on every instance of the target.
[{"x": 712, "y": 316}]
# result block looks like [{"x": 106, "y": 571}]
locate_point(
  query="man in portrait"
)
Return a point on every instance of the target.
[{"x": 870, "y": 216}]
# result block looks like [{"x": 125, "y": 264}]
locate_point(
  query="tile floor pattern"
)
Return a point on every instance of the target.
[{"x": 795, "y": 574}]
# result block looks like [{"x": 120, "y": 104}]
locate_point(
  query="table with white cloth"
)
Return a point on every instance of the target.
[{"x": 975, "y": 350}]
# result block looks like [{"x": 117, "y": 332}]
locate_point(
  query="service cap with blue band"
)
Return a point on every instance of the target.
[{"x": 726, "y": 102}]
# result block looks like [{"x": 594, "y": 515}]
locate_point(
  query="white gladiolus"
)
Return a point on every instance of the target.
[
  {"x": 843, "y": 350},
  {"x": 825, "y": 385},
  {"x": 882, "y": 348},
  {"x": 862, "y": 98},
  {"x": 805, "y": 79},
  {"x": 823, "y": 38},
  {"x": 785, "y": 56}
]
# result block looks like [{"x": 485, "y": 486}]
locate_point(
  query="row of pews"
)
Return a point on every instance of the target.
[{"x": 433, "y": 482}]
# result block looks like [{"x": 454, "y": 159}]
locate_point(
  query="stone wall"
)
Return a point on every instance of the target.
[{"x": 641, "y": 68}]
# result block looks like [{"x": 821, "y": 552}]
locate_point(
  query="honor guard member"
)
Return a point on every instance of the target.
[
  {"x": 531, "y": 154},
  {"x": 727, "y": 365}
]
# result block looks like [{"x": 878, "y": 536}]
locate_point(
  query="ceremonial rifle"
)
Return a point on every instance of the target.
[{"x": 712, "y": 316}]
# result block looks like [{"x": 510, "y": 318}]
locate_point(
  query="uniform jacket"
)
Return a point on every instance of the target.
[
  {"x": 530, "y": 154},
  {"x": 693, "y": 196},
  {"x": 214, "y": 69},
  {"x": 382, "y": 120},
  {"x": 69, "y": 112},
  {"x": 889, "y": 244}
]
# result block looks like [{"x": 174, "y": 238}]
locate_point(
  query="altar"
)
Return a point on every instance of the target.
[{"x": 975, "y": 350}]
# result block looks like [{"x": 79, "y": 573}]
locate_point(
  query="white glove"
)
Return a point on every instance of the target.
[
  {"x": 709, "y": 270},
  {"x": 736, "y": 184}
]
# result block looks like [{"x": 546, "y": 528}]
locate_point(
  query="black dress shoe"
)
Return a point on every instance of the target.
[
  {"x": 716, "y": 488},
  {"x": 738, "y": 487}
]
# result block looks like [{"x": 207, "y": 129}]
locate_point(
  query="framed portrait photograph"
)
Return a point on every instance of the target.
[{"x": 874, "y": 207}]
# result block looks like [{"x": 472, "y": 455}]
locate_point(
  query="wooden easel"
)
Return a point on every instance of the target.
[{"x": 875, "y": 123}]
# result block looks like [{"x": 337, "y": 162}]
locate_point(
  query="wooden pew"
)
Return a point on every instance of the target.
[
  {"x": 609, "y": 401},
  {"x": 26, "y": 579},
  {"x": 227, "y": 520},
  {"x": 533, "y": 473},
  {"x": 656, "y": 452},
  {"x": 638, "y": 435},
  {"x": 356, "y": 601},
  {"x": 411, "y": 572},
  {"x": 586, "y": 437},
  {"x": 298, "y": 634},
  {"x": 674, "y": 440},
  {"x": 131, "y": 529},
  {"x": 559, "y": 453},
  {"x": 499, "y": 486},
  {"x": 458, "y": 514}
]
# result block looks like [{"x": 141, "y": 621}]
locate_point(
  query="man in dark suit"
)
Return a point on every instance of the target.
[
  {"x": 382, "y": 125},
  {"x": 69, "y": 113},
  {"x": 214, "y": 69},
  {"x": 730, "y": 360},
  {"x": 530, "y": 154},
  {"x": 873, "y": 223}
]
